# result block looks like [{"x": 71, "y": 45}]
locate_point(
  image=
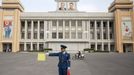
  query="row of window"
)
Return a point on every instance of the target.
[
  {"x": 41, "y": 47},
  {"x": 60, "y": 24},
  {"x": 34, "y": 46},
  {"x": 99, "y": 47},
  {"x": 67, "y": 35},
  {"x": 67, "y": 23}
]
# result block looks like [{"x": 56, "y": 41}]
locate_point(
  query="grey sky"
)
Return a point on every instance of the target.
[{"x": 50, "y": 5}]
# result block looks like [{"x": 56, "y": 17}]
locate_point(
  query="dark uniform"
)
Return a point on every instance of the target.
[{"x": 64, "y": 61}]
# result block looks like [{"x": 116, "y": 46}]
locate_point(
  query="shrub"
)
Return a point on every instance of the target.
[
  {"x": 90, "y": 50},
  {"x": 47, "y": 49},
  {"x": 102, "y": 51}
]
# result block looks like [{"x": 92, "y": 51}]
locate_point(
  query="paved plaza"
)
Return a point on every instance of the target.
[{"x": 93, "y": 64}]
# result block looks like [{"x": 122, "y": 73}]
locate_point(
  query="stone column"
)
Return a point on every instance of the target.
[
  {"x": 25, "y": 46},
  {"x": 63, "y": 29},
  {"x": 31, "y": 46},
  {"x": 83, "y": 27},
  {"x": 57, "y": 29},
  {"x": 70, "y": 29},
  {"x": 89, "y": 30},
  {"x": 96, "y": 46},
  {"x": 109, "y": 48},
  {"x": 102, "y": 46},
  {"x": 108, "y": 30},
  {"x": 76, "y": 29},
  {"x": 89, "y": 33},
  {"x": 50, "y": 30},
  {"x": 108, "y": 35},
  {"x": 95, "y": 29},
  {"x": 32, "y": 29},
  {"x": 102, "y": 33},
  {"x": 45, "y": 30},
  {"x": 95, "y": 35},
  {"x": 44, "y": 45},
  {"x": 38, "y": 46},
  {"x": 25, "y": 29},
  {"x": 102, "y": 36},
  {"x": 38, "y": 30}
]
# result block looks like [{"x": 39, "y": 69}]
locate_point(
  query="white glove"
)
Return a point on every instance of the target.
[
  {"x": 47, "y": 53},
  {"x": 68, "y": 68}
]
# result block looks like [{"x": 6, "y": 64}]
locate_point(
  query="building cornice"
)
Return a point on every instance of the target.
[{"x": 49, "y": 15}]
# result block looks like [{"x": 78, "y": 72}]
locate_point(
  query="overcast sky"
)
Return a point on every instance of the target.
[{"x": 50, "y": 5}]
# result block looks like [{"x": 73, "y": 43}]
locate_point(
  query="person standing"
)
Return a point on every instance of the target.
[{"x": 64, "y": 60}]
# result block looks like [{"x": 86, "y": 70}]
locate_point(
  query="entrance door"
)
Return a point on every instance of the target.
[
  {"x": 7, "y": 47},
  {"x": 128, "y": 47}
]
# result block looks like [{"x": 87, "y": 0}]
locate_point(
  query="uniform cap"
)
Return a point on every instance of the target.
[{"x": 63, "y": 46}]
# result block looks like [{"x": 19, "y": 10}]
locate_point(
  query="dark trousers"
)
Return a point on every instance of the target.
[{"x": 62, "y": 71}]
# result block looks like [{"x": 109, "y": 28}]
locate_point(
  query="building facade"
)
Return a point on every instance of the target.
[{"x": 109, "y": 31}]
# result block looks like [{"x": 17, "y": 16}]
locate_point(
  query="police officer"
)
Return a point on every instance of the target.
[{"x": 64, "y": 60}]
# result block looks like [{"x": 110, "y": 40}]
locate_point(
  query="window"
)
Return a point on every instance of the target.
[
  {"x": 35, "y": 35},
  {"x": 92, "y": 35},
  {"x": 34, "y": 47},
  {"x": 79, "y": 23},
  {"x": 66, "y": 35},
  {"x": 73, "y": 23},
  {"x": 54, "y": 36},
  {"x": 29, "y": 25},
  {"x": 66, "y": 23},
  {"x": 73, "y": 34},
  {"x": 86, "y": 26},
  {"x": 60, "y": 23},
  {"x": 79, "y": 35},
  {"x": 29, "y": 35},
  {"x": 22, "y": 35},
  {"x": 104, "y": 24},
  {"x": 54, "y": 23},
  {"x": 60, "y": 35},
  {"x": 105, "y": 36},
  {"x": 111, "y": 36},
  {"x": 111, "y": 24},
  {"x": 48, "y": 25},
  {"x": 28, "y": 46},
  {"x": 21, "y": 47},
  {"x": 22, "y": 25},
  {"x": 98, "y": 24},
  {"x": 98, "y": 35},
  {"x": 92, "y": 46},
  {"x": 41, "y": 35},
  {"x": 91, "y": 24},
  {"x": 35, "y": 25},
  {"x": 42, "y": 25},
  {"x": 47, "y": 35},
  {"x": 40, "y": 46}
]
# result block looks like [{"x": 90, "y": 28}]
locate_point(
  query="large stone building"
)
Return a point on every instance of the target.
[{"x": 109, "y": 31}]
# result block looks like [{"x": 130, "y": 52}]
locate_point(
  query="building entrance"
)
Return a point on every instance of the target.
[
  {"x": 7, "y": 47},
  {"x": 127, "y": 48}
]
